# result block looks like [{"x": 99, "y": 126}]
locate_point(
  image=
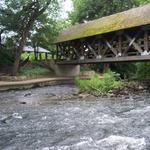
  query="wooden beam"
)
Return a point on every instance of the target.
[
  {"x": 76, "y": 52},
  {"x": 62, "y": 51},
  {"x": 99, "y": 49},
  {"x": 146, "y": 40},
  {"x": 57, "y": 49},
  {"x": 120, "y": 44},
  {"x": 92, "y": 50},
  {"x": 132, "y": 42},
  {"x": 111, "y": 48},
  {"x": 106, "y": 60},
  {"x": 46, "y": 56}
]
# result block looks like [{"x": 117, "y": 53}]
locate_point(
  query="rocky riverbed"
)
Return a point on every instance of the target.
[{"x": 59, "y": 118}]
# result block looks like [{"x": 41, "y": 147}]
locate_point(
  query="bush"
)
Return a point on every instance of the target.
[
  {"x": 126, "y": 70},
  {"x": 31, "y": 71},
  {"x": 110, "y": 81},
  {"x": 6, "y": 57},
  {"x": 143, "y": 71}
]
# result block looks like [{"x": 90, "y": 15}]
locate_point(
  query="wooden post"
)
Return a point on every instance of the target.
[
  {"x": 46, "y": 56},
  {"x": 56, "y": 52},
  {"x": 35, "y": 54},
  {"x": 106, "y": 67},
  {"x": 146, "y": 40},
  {"x": 40, "y": 54},
  {"x": 120, "y": 45},
  {"x": 99, "y": 49}
]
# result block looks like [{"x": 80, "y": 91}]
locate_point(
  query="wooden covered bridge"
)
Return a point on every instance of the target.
[{"x": 120, "y": 37}]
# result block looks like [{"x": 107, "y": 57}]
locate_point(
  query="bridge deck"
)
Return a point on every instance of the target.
[{"x": 105, "y": 60}]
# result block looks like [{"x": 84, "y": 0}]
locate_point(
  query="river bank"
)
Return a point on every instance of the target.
[
  {"x": 27, "y": 82},
  {"x": 111, "y": 85},
  {"x": 132, "y": 87},
  {"x": 32, "y": 83}
]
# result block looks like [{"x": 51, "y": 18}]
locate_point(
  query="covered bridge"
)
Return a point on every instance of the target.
[{"x": 123, "y": 36}]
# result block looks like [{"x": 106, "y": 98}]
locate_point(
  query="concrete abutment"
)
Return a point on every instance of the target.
[{"x": 64, "y": 70}]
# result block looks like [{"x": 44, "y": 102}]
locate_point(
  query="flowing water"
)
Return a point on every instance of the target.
[{"x": 35, "y": 120}]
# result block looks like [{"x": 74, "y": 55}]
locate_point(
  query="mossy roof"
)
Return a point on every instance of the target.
[{"x": 127, "y": 19}]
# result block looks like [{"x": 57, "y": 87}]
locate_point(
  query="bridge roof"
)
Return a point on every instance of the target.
[{"x": 132, "y": 18}]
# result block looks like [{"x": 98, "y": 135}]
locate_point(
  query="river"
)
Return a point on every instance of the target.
[{"x": 41, "y": 119}]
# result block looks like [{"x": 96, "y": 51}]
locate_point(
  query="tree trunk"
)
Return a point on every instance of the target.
[
  {"x": 16, "y": 63},
  {"x": 18, "y": 52},
  {"x": 1, "y": 45}
]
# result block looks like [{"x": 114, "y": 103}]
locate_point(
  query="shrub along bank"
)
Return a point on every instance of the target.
[{"x": 109, "y": 82}]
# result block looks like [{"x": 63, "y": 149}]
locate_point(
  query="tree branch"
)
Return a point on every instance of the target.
[{"x": 45, "y": 7}]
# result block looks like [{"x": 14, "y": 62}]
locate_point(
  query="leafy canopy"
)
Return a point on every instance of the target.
[
  {"x": 16, "y": 16},
  {"x": 85, "y": 10}
]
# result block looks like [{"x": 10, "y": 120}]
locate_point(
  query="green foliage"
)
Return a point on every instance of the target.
[
  {"x": 6, "y": 57},
  {"x": 25, "y": 55},
  {"x": 33, "y": 71},
  {"x": 85, "y": 67},
  {"x": 45, "y": 36},
  {"x": 126, "y": 70},
  {"x": 16, "y": 18},
  {"x": 143, "y": 2},
  {"x": 110, "y": 81},
  {"x": 143, "y": 70},
  {"x": 85, "y": 10},
  {"x": 14, "y": 13}
]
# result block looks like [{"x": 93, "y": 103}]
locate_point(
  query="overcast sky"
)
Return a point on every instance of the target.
[{"x": 67, "y": 7}]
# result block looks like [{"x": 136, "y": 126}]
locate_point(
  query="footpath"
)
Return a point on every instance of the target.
[{"x": 18, "y": 85}]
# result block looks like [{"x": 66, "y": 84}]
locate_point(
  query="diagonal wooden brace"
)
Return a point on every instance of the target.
[
  {"x": 92, "y": 50},
  {"x": 132, "y": 42},
  {"x": 111, "y": 48}
]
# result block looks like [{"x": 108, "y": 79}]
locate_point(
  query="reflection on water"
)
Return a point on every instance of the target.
[{"x": 39, "y": 119}]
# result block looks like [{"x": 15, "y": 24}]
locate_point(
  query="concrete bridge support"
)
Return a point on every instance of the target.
[{"x": 64, "y": 70}]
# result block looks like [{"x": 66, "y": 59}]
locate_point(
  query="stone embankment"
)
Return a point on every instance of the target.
[
  {"x": 18, "y": 85},
  {"x": 24, "y": 82}
]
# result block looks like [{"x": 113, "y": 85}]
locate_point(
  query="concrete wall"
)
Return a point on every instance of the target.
[{"x": 64, "y": 70}]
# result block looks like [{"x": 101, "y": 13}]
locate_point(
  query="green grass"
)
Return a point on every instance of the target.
[
  {"x": 33, "y": 71},
  {"x": 110, "y": 81}
]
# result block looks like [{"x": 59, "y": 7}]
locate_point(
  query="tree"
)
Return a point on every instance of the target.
[
  {"x": 85, "y": 10},
  {"x": 46, "y": 35},
  {"x": 142, "y": 2},
  {"x": 19, "y": 18}
]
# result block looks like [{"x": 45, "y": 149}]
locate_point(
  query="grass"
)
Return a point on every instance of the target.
[
  {"x": 110, "y": 81},
  {"x": 33, "y": 71}
]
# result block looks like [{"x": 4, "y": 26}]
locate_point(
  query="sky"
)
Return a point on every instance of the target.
[{"x": 67, "y": 7}]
